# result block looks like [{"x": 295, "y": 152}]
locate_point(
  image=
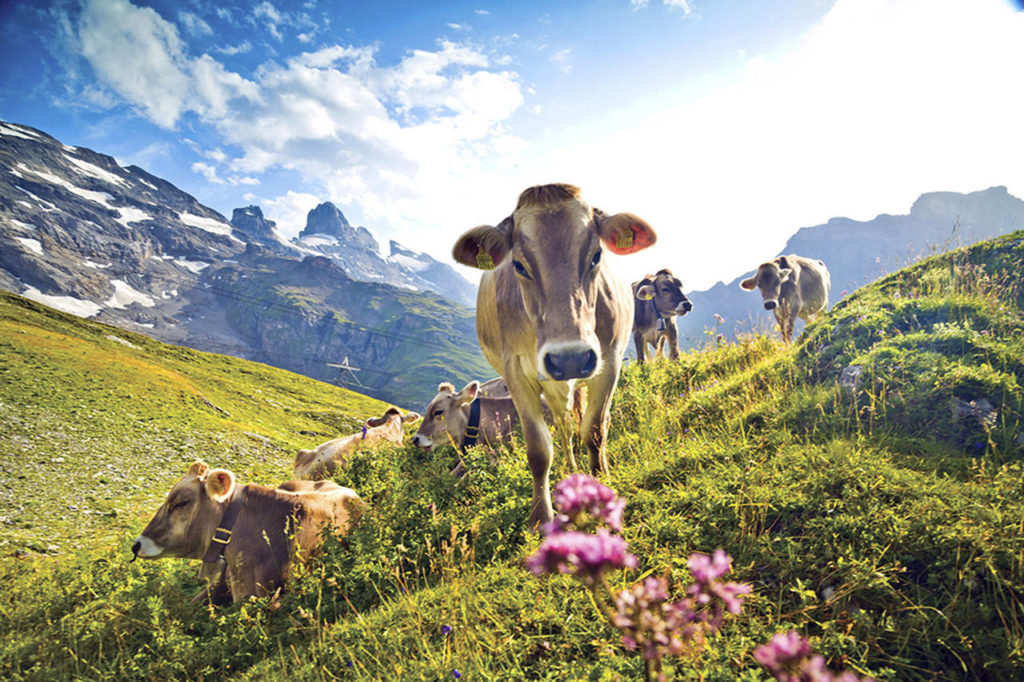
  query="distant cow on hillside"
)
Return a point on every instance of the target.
[
  {"x": 246, "y": 535},
  {"x": 659, "y": 298},
  {"x": 550, "y": 312},
  {"x": 324, "y": 459},
  {"x": 791, "y": 286}
]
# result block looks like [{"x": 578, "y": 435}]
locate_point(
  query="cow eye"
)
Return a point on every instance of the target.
[
  {"x": 596, "y": 259},
  {"x": 520, "y": 269},
  {"x": 438, "y": 413}
]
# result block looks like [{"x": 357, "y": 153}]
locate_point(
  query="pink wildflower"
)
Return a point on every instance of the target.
[{"x": 587, "y": 556}]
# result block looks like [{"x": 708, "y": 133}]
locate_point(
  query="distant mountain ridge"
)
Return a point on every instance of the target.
[
  {"x": 858, "y": 253},
  {"x": 81, "y": 233}
]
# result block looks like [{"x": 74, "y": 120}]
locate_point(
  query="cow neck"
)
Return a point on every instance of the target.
[
  {"x": 657, "y": 313},
  {"x": 222, "y": 535},
  {"x": 473, "y": 427}
]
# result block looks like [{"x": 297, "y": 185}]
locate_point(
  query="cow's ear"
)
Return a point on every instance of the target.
[
  {"x": 198, "y": 468},
  {"x": 749, "y": 284},
  {"x": 782, "y": 262},
  {"x": 484, "y": 247},
  {"x": 624, "y": 233},
  {"x": 220, "y": 483},
  {"x": 645, "y": 293},
  {"x": 468, "y": 393},
  {"x": 784, "y": 274},
  {"x": 375, "y": 421},
  {"x": 410, "y": 417}
]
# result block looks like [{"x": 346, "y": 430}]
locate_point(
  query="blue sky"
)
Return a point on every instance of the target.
[{"x": 728, "y": 125}]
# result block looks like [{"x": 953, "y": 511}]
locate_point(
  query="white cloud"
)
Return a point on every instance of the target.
[
  {"x": 194, "y": 24},
  {"x": 207, "y": 171},
  {"x": 271, "y": 16},
  {"x": 139, "y": 55},
  {"x": 231, "y": 50},
  {"x": 289, "y": 212}
]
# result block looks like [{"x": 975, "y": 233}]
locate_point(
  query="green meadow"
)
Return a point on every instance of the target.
[{"x": 866, "y": 480}]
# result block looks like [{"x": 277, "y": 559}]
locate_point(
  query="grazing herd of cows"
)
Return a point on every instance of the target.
[{"x": 553, "y": 320}]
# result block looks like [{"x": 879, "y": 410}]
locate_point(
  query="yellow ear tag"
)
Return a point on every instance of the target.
[
  {"x": 484, "y": 260},
  {"x": 624, "y": 240}
]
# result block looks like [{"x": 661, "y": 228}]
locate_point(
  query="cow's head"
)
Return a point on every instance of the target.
[
  {"x": 185, "y": 522},
  {"x": 769, "y": 278},
  {"x": 445, "y": 420},
  {"x": 665, "y": 291},
  {"x": 554, "y": 243},
  {"x": 393, "y": 420}
]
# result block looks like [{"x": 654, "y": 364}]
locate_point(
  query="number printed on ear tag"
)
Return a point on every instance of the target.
[
  {"x": 625, "y": 240},
  {"x": 484, "y": 260}
]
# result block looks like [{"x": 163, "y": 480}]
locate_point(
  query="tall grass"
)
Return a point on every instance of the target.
[{"x": 866, "y": 517}]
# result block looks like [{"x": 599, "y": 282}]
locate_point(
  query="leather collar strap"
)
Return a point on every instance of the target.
[
  {"x": 222, "y": 536},
  {"x": 473, "y": 427}
]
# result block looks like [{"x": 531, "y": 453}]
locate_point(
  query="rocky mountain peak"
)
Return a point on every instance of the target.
[
  {"x": 327, "y": 219},
  {"x": 250, "y": 220}
]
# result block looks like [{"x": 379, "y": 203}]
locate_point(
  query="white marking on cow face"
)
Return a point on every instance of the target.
[{"x": 146, "y": 548}]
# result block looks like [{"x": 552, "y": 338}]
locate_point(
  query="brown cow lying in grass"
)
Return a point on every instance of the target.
[
  {"x": 478, "y": 414},
  {"x": 323, "y": 460},
  {"x": 246, "y": 535}
]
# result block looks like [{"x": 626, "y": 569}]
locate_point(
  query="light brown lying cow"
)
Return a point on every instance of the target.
[
  {"x": 791, "y": 286},
  {"x": 323, "y": 460},
  {"x": 246, "y": 535},
  {"x": 466, "y": 417},
  {"x": 659, "y": 298},
  {"x": 551, "y": 312}
]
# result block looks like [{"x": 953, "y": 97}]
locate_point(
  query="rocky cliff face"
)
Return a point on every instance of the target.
[
  {"x": 859, "y": 252},
  {"x": 355, "y": 250},
  {"x": 83, "y": 234}
]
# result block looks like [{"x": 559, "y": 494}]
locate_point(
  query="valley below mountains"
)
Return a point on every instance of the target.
[{"x": 115, "y": 244}]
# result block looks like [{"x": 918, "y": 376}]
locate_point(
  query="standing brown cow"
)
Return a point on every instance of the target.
[
  {"x": 551, "y": 312},
  {"x": 791, "y": 286},
  {"x": 659, "y": 298}
]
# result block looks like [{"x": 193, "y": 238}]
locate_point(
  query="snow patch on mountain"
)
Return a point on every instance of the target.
[
  {"x": 125, "y": 295},
  {"x": 67, "y": 304}
]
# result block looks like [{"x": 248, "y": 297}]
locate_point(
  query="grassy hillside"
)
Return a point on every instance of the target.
[
  {"x": 883, "y": 519},
  {"x": 96, "y": 423}
]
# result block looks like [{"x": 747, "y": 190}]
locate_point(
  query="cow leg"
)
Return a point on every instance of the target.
[
  {"x": 539, "y": 449},
  {"x": 595, "y": 417},
  {"x": 641, "y": 347},
  {"x": 672, "y": 338},
  {"x": 556, "y": 393}
]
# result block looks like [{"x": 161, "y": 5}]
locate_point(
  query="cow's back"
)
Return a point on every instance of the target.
[{"x": 814, "y": 282}]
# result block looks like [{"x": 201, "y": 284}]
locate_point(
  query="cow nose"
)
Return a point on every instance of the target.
[
  {"x": 685, "y": 306},
  {"x": 136, "y": 547},
  {"x": 421, "y": 442},
  {"x": 567, "y": 365},
  {"x": 770, "y": 305}
]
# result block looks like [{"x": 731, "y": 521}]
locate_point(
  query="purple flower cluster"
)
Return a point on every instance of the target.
[
  {"x": 587, "y": 556},
  {"x": 648, "y": 620},
  {"x": 584, "y": 502},
  {"x": 709, "y": 593},
  {"x": 788, "y": 658},
  {"x": 654, "y": 625}
]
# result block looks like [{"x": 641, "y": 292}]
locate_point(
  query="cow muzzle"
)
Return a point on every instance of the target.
[
  {"x": 684, "y": 307},
  {"x": 770, "y": 304},
  {"x": 423, "y": 442},
  {"x": 144, "y": 548},
  {"x": 577, "y": 361}
]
